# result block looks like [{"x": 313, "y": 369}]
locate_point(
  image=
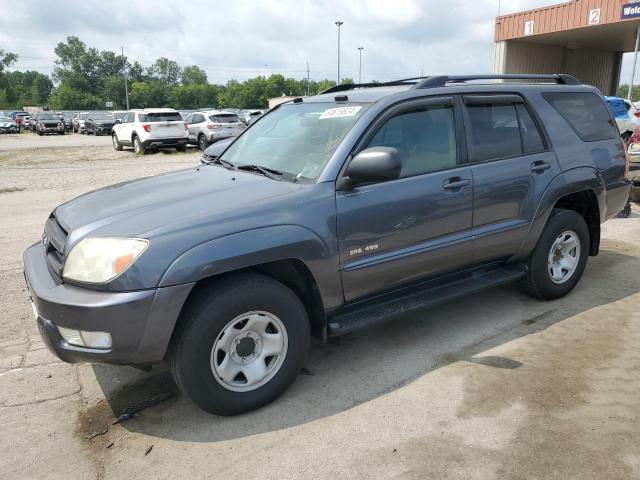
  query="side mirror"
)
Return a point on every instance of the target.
[
  {"x": 375, "y": 164},
  {"x": 118, "y": 121}
]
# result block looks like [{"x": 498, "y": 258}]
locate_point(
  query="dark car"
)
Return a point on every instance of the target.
[
  {"x": 8, "y": 125},
  {"x": 48, "y": 122},
  {"x": 330, "y": 214},
  {"x": 99, "y": 123},
  {"x": 214, "y": 150},
  {"x": 67, "y": 118}
]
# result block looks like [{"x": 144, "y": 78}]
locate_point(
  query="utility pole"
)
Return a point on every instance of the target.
[
  {"x": 308, "y": 79},
  {"x": 635, "y": 61},
  {"x": 126, "y": 87},
  {"x": 360, "y": 66},
  {"x": 338, "y": 24}
]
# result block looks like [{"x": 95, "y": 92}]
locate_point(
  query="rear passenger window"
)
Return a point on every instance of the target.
[
  {"x": 501, "y": 129},
  {"x": 495, "y": 132},
  {"x": 425, "y": 139},
  {"x": 586, "y": 113}
]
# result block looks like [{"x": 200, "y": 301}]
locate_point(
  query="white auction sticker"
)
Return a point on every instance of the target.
[{"x": 340, "y": 112}]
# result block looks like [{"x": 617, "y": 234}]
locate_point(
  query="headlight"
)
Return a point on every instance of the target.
[{"x": 99, "y": 260}]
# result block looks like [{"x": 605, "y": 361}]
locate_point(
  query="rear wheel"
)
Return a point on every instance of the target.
[
  {"x": 202, "y": 142},
  {"x": 116, "y": 144},
  {"x": 240, "y": 344},
  {"x": 560, "y": 256},
  {"x": 181, "y": 148},
  {"x": 138, "y": 147}
]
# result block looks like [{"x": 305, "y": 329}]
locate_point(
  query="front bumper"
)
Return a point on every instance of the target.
[
  {"x": 140, "y": 322},
  {"x": 50, "y": 129},
  {"x": 165, "y": 142}
]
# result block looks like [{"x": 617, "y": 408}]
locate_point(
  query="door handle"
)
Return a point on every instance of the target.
[
  {"x": 537, "y": 167},
  {"x": 456, "y": 183}
]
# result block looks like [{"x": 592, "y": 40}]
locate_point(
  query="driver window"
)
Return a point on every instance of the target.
[{"x": 425, "y": 139}]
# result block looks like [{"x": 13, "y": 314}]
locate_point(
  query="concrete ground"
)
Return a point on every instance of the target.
[{"x": 495, "y": 386}]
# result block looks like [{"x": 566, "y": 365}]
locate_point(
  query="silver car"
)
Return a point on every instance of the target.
[{"x": 209, "y": 126}]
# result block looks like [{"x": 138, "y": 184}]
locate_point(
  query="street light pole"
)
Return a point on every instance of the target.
[
  {"x": 360, "y": 65},
  {"x": 126, "y": 87},
  {"x": 338, "y": 24}
]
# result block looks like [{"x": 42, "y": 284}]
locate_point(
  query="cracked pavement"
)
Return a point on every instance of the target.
[{"x": 493, "y": 386}]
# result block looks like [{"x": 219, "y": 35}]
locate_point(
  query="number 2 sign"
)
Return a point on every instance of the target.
[{"x": 594, "y": 16}]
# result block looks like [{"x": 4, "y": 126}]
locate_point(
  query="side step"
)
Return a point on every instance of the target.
[{"x": 425, "y": 295}]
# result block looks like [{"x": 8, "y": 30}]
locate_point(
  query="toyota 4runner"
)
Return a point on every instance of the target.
[{"x": 329, "y": 214}]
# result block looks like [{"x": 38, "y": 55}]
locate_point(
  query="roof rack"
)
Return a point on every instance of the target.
[{"x": 442, "y": 80}]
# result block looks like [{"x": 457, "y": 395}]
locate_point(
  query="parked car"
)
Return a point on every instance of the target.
[
  {"x": 23, "y": 120},
  {"x": 78, "y": 121},
  {"x": 150, "y": 129},
  {"x": 67, "y": 118},
  {"x": 99, "y": 123},
  {"x": 48, "y": 122},
  {"x": 248, "y": 116},
  {"x": 212, "y": 125},
  {"x": 214, "y": 150},
  {"x": 625, "y": 113},
  {"x": 330, "y": 214},
  {"x": 8, "y": 125}
]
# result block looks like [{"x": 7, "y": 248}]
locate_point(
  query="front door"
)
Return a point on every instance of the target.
[
  {"x": 396, "y": 232},
  {"x": 512, "y": 167}
]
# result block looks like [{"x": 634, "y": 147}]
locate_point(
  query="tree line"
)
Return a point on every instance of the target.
[{"x": 85, "y": 78}]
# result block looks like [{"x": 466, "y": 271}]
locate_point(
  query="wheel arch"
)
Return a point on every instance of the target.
[{"x": 581, "y": 190}]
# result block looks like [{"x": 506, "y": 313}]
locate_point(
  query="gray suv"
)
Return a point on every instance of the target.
[
  {"x": 207, "y": 127},
  {"x": 330, "y": 214}
]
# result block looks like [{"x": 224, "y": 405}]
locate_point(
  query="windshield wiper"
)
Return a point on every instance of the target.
[
  {"x": 218, "y": 161},
  {"x": 271, "y": 173}
]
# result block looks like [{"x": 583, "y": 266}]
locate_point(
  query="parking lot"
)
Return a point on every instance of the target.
[{"x": 496, "y": 385}]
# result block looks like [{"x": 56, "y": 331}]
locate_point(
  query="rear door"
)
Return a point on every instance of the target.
[
  {"x": 195, "y": 125},
  {"x": 511, "y": 166},
  {"x": 395, "y": 232}
]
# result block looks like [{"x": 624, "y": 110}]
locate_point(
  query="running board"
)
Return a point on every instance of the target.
[{"x": 422, "y": 296}]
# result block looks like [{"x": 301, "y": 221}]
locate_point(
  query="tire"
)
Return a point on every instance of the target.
[
  {"x": 40, "y": 133},
  {"x": 539, "y": 281},
  {"x": 202, "y": 142},
  {"x": 181, "y": 148},
  {"x": 210, "y": 317},
  {"x": 61, "y": 133},
  {"x": 138, "y": 147},
  {"x": 634, "y": 196},
  {"x": 116, "y": 144}
]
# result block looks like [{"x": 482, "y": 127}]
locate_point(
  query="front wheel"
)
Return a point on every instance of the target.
[
  {"x": 560, "y": 256},
  {"x": 240, "y": 344},
  {"x": 116, "y": 144}
]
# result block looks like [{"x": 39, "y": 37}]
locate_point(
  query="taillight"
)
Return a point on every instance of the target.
[
  {"x": 147, "y": 127},
  {"x": 637, "y": 114},
  {"x": 212, "y": 126}
]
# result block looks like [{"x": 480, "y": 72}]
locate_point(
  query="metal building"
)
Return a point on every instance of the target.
[{"x": 584, "y": 38}]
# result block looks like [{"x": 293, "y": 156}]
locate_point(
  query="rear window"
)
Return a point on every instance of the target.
[
  {"x": 224, "y": 118},
  {"x": 586, "y": 113},
  {"x": 160, "y": 117}
]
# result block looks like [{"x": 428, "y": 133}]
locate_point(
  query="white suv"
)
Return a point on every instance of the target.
[{"x": 150, "y": 129}]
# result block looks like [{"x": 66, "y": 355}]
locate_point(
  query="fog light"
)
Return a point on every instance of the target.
[{"x": 81, "y": 338}]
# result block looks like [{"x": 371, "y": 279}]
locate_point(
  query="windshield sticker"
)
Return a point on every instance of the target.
[{"x": 340, "y": 112}]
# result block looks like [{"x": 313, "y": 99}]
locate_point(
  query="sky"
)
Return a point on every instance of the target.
[{"x": 243, "y": 38}]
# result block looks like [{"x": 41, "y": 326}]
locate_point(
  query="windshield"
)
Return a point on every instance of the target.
[
  {"x": 48, "y": 116},
  {"x": 224, "y": 118},
  {"x": 160, "y": 117},
  {"x": 83, "y": 116},
  {"x": 297, "y": 139}
]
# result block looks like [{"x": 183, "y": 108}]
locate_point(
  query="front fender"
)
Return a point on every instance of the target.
[
  {"x": 258, "y": 246},
  {"x": 568, "y": 182}
]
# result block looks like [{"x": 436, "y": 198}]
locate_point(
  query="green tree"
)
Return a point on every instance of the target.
[
  {"x": 165, "y": 71},
  {"x": 6, "y": 60},
  {"x": 193, "y": 75}
]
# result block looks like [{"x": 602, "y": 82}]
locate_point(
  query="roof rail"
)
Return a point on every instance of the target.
[
  {"x": 343, "y": 87},
  {"x": 441, "y": 81}
]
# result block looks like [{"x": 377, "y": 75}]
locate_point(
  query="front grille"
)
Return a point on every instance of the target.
[{"x": 54, "y": 239}]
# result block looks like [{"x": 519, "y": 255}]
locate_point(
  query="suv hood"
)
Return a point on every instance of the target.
[{"x": 208, "y": 201}]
